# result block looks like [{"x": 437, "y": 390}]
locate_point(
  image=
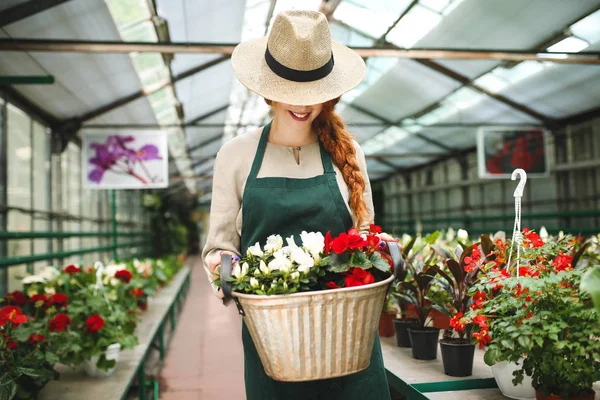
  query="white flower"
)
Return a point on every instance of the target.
[
  {"x": 303, "y": 259},
  {"x": 544, "y": 234},
  {"x": 49, "y": 273},
  {"x": 462, "y": 235},
  {"x": 254, "y": 283},
  {"x": 240, "y": 273},
  {"x": 255, "y": 250},
  {"x": 450, "y": 234},
  {"x": 50, "y": 290},
  {"x": 111, "y": 269},
  {"x": 295, "y": 276},
  {"x": 313, "y": 242},
  {"x": 263, "y": 268},
  {"x": 257, "y": 272},
  {"x": 274, "y": 243},
  {"x": 291, "y": 242},
  {"x": 280, "y": 262},
  {"x": 285, "y": 285},
  {"x": 273, "y": 285},
  {"x": 33, "y": 279}
]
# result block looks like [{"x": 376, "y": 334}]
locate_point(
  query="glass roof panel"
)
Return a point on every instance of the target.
[
  {"x": 417, "y": 23},
  {"x": 588, "y": 28},
  {"x": 373, "y": 17},
  {"x": 520, "y": 71},
  {"x": 142, "y": 32},
  {"x": 571, "y": 44},
  {"x": 491, "y": 82},
  {"x": 128, "y": 12},
  {"x": 461, "y": 99}
]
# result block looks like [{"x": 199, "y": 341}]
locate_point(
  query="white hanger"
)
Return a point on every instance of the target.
[{"x": 517, "y": 235}]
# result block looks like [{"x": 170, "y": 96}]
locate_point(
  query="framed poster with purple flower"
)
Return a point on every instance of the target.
[
  {"x": 136, "y": 160},
  {"x": 500, "y": 150}
]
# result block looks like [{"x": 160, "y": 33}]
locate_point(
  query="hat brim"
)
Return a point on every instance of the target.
[{"x": 249, "y": 66}]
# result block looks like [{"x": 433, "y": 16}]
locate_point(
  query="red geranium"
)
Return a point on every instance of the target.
[
  {"x": 483, "y": 337},
  {"x": 373, "y": 241},
  {"x": 528, "y": 272},
  {"x": 59, "y": 323},
  {"x": 332, "y": 285},
  {"x": 36, "y": 338},
  {"x": 12, "y": 345},
  {"x": 137, "y": 292},
  {"x": 533, "y": 239},
  {"x": 340, "y": 243},
  {"x": 355, "y": 241},
  {"x": 478, "y": 300},
  {"x": 123, "y": 275},
  {"x": 563, "y": 263},
  {"x": 358, "y": 277},
  {"x": 38, "y": 300},
  {"x": 72, "y": 269},
  {"x": 58, "y": 300},
  {"x": 13, "y": 315},
  {"x": 94, "y": 323},
  {"x": 375, "y": 228},
  {"x": 16, "y": 298},
  {"x": 456, "y": 323}
]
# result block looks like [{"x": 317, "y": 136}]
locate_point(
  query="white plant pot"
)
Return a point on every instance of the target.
[
  {"x": 503, "y": 372},
  {"x": 112, "y": 353}
]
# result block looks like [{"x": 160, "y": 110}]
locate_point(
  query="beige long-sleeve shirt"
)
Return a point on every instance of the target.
[{"x": 231, "y": 170}]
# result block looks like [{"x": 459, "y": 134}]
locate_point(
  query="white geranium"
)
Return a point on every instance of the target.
[
  {"x": 33, "y": 279},
  {"x": 462, "y": 235},
  {"x": 263, "y": 268},
  {"x": 49, "y": 273},
  {"x": 291, "y": 243},
  {"x": 255, "y": 250},
  {"x": 280, "y": 262},
  {"x": 303, "y": 259},
  {"x": 314, "y": 243},
  {"x": 253, "y": 282},
  {"x": 274, "y": 243}
]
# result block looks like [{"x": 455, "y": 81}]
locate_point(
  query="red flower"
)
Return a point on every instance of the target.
[
  {"x": 481, "y": 320},
  {"x": 373, "y": 241},
  {"x": 478, "y": 300},
  {"x": 375, "y": 228},
  {"x": 563, "y": 263},
  {"x": 38, "y": 300},
  {"x": 332, "y": 285},
  {"x": 472, "y": 261},
  {"x": 12, "y": 345},
  {"x": 456, "y": 323},
  {"x": 123, "y": 275},
  {"x": 529, "y": 315},
  {"x": 16, "y": 298},
  {"x": 340, "y": 243},
  {"x": 533, "y": 239},
  {"x": 13, "y": 315},
  {"x": 72, "y": 269},
  {"x": 36, "y": 338},
  {"x": 483, "y": 337},
  {"x": 59, "y": 323},
  {"x": 137, "y": 292},
  {"x": 328, "y": 241},
  {"x": 94, "y": 323},
  {"x": 355, "y": 241},
  {"x": 58, "y": 299},
  {"x": 528, "y": 272},
  {"x": 358, "y": 277}
]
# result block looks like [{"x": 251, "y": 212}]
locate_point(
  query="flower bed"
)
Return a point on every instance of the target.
[{"x": 72, "y": 316}]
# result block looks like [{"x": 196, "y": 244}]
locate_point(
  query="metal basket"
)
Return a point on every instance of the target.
[{"x": 313, "y": 335}]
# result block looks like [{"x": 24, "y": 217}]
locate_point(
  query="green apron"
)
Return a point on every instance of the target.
[{"x": 287, "y": 206}]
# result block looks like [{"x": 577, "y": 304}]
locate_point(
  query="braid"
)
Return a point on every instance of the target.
[{"x": 338, "y": 142}]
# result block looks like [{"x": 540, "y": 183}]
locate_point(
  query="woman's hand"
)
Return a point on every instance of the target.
[
  {"x": 386, "y": 238},
  {"x": 214, "y": 263}
]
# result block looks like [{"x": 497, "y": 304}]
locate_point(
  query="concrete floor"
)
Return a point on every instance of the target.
[{"x": 205, "y": 360}]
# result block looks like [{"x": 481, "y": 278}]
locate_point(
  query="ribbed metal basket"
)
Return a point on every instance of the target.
[{"x": 314, "y": 335}]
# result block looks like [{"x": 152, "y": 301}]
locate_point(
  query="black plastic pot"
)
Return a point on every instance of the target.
[
  {"x": 424, "y": 342},
  {"x": 402, "y": 325},
  {"x": 457, "y": 358}
]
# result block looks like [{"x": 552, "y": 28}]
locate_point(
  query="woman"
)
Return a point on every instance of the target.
[{"x": 301, "y": 172}]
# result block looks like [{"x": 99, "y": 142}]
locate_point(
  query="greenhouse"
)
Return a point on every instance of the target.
[{"x": 286, "y": 199}]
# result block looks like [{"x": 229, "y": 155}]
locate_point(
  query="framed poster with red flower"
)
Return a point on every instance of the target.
[
  {"x": 125, "y": 160},
  {"x": 500, "y": 150}
]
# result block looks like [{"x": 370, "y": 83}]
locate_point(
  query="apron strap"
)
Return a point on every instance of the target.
[
  {"x": 326, "y": 160},
  {"x": 260, "y": 152}
]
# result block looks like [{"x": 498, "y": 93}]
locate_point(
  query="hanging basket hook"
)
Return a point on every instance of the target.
[{"x": 522, "y": 175}]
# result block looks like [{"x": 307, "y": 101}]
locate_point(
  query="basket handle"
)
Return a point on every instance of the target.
[
  {"x": 226, "y": 267},
  {"x": 397, "y": 260}
]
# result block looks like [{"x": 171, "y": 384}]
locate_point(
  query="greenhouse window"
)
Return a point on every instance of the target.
[
  {"x": 588, "y": 28},
  {"x": 142, "y": 32},
  {"x": 571, "y": 44},
  {"x": 373, "y": 19},
  {"x": 463, "y": 98},
  {"x": 491, "y": 82},
  {"x": 128, "y": 12},
  {"x": 415, "y": 25},
  {"x": 519, "y": 72}
]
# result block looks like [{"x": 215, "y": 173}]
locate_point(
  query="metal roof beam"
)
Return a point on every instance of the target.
[
  {"x": 205, "y": 142},
  {"x": 207, "y": 115},
  {"x": 26, "y": 10},
  {"x": 146, "y": 92},
  {"x": 389, "y": 50},
  {"x": 581, "y": 117}
]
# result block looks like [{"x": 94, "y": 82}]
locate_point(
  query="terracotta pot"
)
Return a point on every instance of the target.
[
  {"x": 386, "y": 324},
  {"x": 589, "y": 396}
]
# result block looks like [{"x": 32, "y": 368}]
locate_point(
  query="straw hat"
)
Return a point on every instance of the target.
[{"x": 298, "y": 63}]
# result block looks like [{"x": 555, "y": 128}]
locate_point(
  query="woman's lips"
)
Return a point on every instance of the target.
[{"x": 299, "y": 117}]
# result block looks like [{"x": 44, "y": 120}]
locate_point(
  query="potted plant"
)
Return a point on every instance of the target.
[
  {"x": 537, "y": 318},
  {"x": 415, "y": 292},
  {"x": 388, "y": 315},
  {"x": 464, "y": 268}
]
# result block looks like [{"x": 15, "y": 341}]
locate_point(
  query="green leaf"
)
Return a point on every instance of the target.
[
  {"x": 525, "y": 342},
  {"x": 445, "y": 254},
  {"x": 553, "y": 336},
  {"x": 408, "y": 247},
  {"x": 432, "y": 237},
  {"x": 29, "y": 372},
  {"x": 339, "y": 268},
  {"x": 359, "y": 259},
  {"x": 52, "y": 358},
  {"x": 590, "y": 283},
  {"x": 456, "y": 270},
  {"x": 539, "y": 341},
  {"x": 491, "y": 356},
  {"x": 509, "y": 344},
  {"x": 379, "y": 262},
  {"x": 8, "y": 391}
]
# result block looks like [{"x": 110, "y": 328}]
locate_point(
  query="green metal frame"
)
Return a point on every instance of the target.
[
  {"x": 27, "y": 80},
  {"x": 417, "y": 391}
]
